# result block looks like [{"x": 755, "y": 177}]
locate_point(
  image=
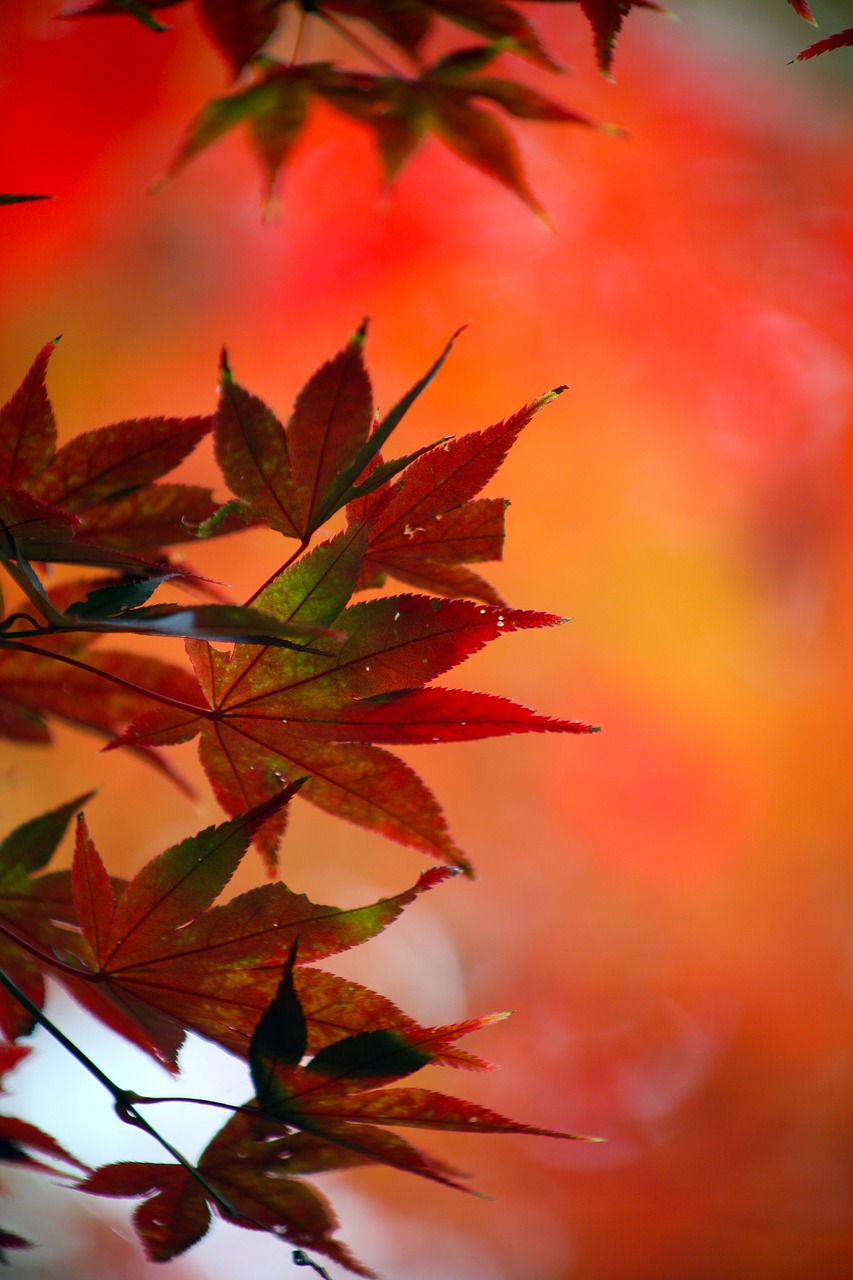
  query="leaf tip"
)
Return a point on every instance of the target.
[{"x": 358, "y": 338}]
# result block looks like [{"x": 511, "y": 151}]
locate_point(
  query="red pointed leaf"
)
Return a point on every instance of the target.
[
  {"x": 802, "y": 8},
  {"x": 16, "y": 1134},
  {"x": 27, "y": 427},
  {"x": 275, "y": 131},
  {"x": 443, "y": 715},
  {"x": 94, "y": 900},
  {"x": 252, "y": 450},
  {"x": 480, "y": 139},
  {"x": 168, "y": 962},
  {"x": 175, "y": 1215},
  {"x": 400, "y": 21},
  {"x": 498, "y": 22},
  {"x": 45, "y": 683},
  {"x": 100, "y": 465},
  {"x": 330, "y": 424},
  {"x": 606, "y": 18},
  {"x": 418, "y": 1108},
  {"x": 841, "y": 40},
  {"x": 473, "y": 531}
]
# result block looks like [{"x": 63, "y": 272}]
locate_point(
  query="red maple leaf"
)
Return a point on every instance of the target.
[
  {"x": 250, "y": 1173},
  {"x": 96, "y": 499},
  {"x": 155, "y": 958},
  {"x": 274, "y": 713},
  {"x": 426, "y": 526}
]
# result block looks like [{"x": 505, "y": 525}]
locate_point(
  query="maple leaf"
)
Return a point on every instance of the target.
[
  {"x": 290, "y": 475},
  {"x": 606, "y": 18},
  {"x": 239, "y": 28},
  {"x": 273, "y": 711},
  {"x": 330, "y": 1113},
  {"x": 408, "y": 22},
  {"x": 157, "y": 959},
  {"x": 252, "y": 1174},
  {"x": 296, "y": 476},
  {"x": 17, "y": 1135},
  {"x": 398, "y": 110},
  {"x": 101, "y": 694},
  {"x": 841, "y": 40},
  {"x": 28, "y": 907},
  {"x": 338, "y": 1096},
  {"x": 426, "y": 526},
  {"x": 442, "y": 101},
  {"x": 52, "y": 501}
]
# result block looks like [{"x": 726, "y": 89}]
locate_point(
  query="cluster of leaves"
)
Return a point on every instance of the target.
[
  {"x": 312, "y": 685},
  {"x": 456, "y": 98}
]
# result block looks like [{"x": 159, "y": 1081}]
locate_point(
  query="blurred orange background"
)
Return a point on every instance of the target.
[{"x": 666, "y": 906}]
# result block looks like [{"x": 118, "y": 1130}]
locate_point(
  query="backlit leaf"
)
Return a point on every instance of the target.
[{"x": 841, "y": 40}]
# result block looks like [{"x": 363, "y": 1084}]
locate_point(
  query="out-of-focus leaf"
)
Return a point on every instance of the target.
[
  {"x": 142, "y": 10},
  {"x": 36, "y": 685},
  {"x": 9, "y": 1240},
  {"x": 239, "y": 28},
  {"x": 606, "y": 18},
  {"x": 407, "y": 22},
  {"x": 802, "y": 8},
  {"x": 399, "y": 111},
  {"x": 18, "y": 1135}
]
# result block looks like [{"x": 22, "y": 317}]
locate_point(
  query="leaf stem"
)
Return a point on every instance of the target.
[
  {"x": 303, "y": 546},
  {"x": 358, "y": 43},
  {"x": 300, "y": 36},
  {"x": 164, "y": 698},
  {"x": 199, "y": 1102}
]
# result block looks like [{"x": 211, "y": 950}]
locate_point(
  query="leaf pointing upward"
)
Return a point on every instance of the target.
[{"x": 296, "y": 476}]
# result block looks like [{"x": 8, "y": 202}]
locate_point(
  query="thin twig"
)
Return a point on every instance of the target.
[{"x": 359, "y": 44}]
